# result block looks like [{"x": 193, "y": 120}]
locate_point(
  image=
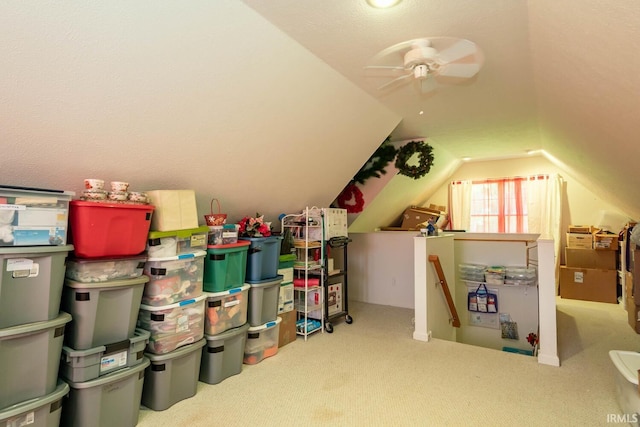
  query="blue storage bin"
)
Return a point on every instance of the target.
[{"x": 263, "y": 257}]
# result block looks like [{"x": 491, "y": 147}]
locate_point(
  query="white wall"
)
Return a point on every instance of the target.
[
  {"x": 580, "y": 204},
  {"x": 381, "y": 268}
]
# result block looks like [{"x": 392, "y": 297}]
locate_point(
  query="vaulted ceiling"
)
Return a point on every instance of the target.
[{"x": 561, "y": 76}]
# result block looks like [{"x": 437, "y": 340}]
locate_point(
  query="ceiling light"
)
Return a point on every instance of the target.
[
  {"x": 382, "y": 4},
  {"x": 466, "y": 159}
]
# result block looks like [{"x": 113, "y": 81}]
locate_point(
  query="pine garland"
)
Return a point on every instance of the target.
[{"x": 375, "y": 166}]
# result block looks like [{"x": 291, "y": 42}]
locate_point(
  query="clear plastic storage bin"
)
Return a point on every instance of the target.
[
  {"x": 90, "y": 270},
  {"x": 262, "y": 342},
  {"x": 520, "y": 276},
  {"x": 173, "y": 279},
  {"x": 163, "y": 244},
  {"x": 472, "y": 272},
  {"x": 226, "y": 310},
  {"x": 37, "y": 217},
  {"x": 173, "y": 325}
]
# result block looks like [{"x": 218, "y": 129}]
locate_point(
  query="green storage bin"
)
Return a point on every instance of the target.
[
  {"x": 286, "y": 261},
  {"x": 225, "y": 266}
]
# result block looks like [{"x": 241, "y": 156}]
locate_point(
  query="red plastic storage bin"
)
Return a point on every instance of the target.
[{"x": 108, "y": 229}]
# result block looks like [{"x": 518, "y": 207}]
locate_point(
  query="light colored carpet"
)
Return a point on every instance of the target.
[{"x": 373, "y": 373}]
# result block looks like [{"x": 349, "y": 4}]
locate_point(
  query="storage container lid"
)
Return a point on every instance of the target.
[
  {"x": 188, "y": 232},
  {"x": 109, "y": 284},
  {"x": 266, "y": 282},
  {"x": 265, "y": 326},
  {"x": 229, "y": 333},
  {"x": 174, "y": 305},
  {"x": 26, "y": 251},
  {"x": 240, "y": 243},
  {"x": 227, "y": 292},
  {"x": 287, "y": 257},
  {"x": 627, "y": 363},
  {"x": 21, "y": 191},
  {"x": 30, "y": 328},
  {"x": 140, "y": 258},
  {"x": 113, "y": 377},
  {"x": 195, "y": 254},
  {"x": 82, "y": 203},
  {"x": 61, "y": 390},
  {"x": 179, "y": 352}
]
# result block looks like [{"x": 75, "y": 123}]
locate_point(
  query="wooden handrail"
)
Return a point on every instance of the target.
[{"x": 455, "y": 320}]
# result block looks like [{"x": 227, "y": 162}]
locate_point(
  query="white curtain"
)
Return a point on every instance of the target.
[
  {"x": 460, "y": 205},
  {"x": 544, "y": 208}
]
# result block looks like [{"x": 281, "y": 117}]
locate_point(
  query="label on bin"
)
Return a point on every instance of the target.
[
  {"x": 15, "y": 264},
  {"x": 182, "y": 323},
  {"x": 112, "y": 361}
]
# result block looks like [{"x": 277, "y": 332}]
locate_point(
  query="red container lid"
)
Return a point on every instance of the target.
[{"x": 230, "y": 245}]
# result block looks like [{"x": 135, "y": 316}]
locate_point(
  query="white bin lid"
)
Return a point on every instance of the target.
[
  {"x": 227, "y": 292},
  {"x": 188, "y": 255},
  {"x": 267, "y": 325},
  {"x": 627, "y": 363}
]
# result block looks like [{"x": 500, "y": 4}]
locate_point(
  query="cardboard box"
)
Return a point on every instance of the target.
[
  {"x": 604, "y": 241},
  {"x": 633, "y": 312},
  {"x": 628, "y": 284},
  {"x": 287, "y": 331},
  {"x": 174, "y": 210},
  {"x": 578, "y": 240},
  {"x": 589, "y": 284},
  {"x": 590, "y": 258},
  {"x": 415, "y": 217},
  {"x": 582, "y": 229}
]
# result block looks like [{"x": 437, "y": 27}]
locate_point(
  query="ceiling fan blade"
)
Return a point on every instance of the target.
[
  {"x": 458, "y": 50},
  {"x": 383, "y": 70},
  {"x": 459, "y": 70},
  {"x": 395, "y": 82}
]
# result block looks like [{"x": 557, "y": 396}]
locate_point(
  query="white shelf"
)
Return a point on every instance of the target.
[{"x": 307, "y": 230}]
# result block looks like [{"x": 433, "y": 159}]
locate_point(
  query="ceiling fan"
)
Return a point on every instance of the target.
[{"x": 448, "y": 59}]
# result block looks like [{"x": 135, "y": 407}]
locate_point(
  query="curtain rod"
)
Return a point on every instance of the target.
[{"x": 530, "y": 177}]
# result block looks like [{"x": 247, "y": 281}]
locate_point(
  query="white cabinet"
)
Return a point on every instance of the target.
[{"x": 308, "y": 277}]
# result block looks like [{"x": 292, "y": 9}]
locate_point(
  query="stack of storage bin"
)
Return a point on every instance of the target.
[
  {"x": 32, "y": 326},
  {"x": 286, "y": 310},
  {"x": 172, "y": 308},
  {"x": 103, "y": 358},
  {"x": 264, "y": 295},
  {"x": 227, "y": 303}
]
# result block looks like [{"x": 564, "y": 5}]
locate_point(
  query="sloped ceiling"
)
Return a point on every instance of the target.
[
  {"x": 263, "y": 103},
  {"x": 559, "y": 75},
  {"x": 206, "y": 96}
]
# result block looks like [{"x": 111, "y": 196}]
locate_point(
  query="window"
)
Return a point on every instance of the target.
[{"x": 499, "y": 206}]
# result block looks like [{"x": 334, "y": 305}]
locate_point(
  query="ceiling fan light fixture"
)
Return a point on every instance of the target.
[
  {"x": 421, "y": 72},
  {"x": 382, "y": 4}
]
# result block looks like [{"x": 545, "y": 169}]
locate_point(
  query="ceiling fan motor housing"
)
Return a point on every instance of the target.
[{"x": 422, "y": 55}]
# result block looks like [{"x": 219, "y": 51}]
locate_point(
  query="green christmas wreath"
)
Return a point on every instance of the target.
[{"x": 409, "y": 149}]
